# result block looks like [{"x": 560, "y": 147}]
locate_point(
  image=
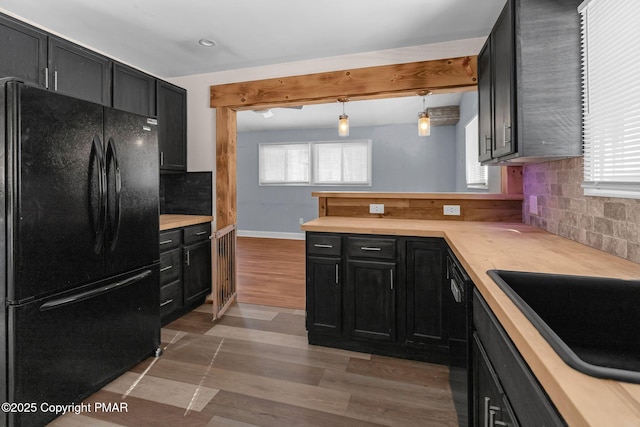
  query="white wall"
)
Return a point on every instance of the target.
[{"x": 201, "y": 118}]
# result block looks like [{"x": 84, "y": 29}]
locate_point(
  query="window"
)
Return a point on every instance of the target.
[
  {"x": 315, "y": 163},
  {"x": 342, "y": 162},
  {"x": 284, "y": 163},
  {"x": 475, "y": 172},
  {"x": 611, "y": 101}
]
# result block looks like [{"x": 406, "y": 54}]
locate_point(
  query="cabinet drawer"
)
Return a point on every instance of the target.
[
  {"x": 170, "y": 298},
  {"x": 367, "y": 247},
  {"x": 197, "y": 232},
  {"x": 319, "y": 244},
  {"x": 170, "y": 239},
  {"x": 170, "y": 266}
]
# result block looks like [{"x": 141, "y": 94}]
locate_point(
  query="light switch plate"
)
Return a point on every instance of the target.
[{"x": 533, "y": 204}]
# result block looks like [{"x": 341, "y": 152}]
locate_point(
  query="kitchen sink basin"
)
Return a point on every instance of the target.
[{"x": 592, "y": 323}]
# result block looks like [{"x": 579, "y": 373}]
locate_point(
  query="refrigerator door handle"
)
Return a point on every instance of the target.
[
  {"x": 82, "y": 296},
  {"x": 112, "y": 156},
  {"x": 96, "y": 151}
]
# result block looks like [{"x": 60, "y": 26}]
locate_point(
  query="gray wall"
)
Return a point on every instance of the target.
[{"x": 401, "y": 161}]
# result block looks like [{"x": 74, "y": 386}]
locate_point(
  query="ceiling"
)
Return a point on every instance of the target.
[{"x": 161, "y": 37}]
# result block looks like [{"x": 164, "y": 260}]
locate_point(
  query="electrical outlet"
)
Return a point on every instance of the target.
[
  {"x": 376, "y": 208},
  {"x": 301, "y": 221},
  {"x": 533, "y": 204},
  {"x": 451, "y": 210}
]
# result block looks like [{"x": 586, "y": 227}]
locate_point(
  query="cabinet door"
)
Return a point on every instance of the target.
[
  {"x": 197, "y": 271},
  {"x": 172, "y": 127},
  {"x": 503, "y": 83},
  {"x": 78, "y": 72},
  {"x": 133, "y": 91},
  {"x": 24, "y": 52},
  {"x": 426, "y": 302},
  {"x": 485, "y": 103},
  {"x": 491, "y": 407},
  {"x": 324, "y": 295},
  {"x": 370, "y": 300}
]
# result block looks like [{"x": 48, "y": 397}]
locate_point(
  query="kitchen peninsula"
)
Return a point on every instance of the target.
[{"x": 479, "y": 246}]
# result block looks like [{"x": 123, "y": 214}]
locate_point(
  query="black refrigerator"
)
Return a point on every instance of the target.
[{"x": 79, "y": 254}]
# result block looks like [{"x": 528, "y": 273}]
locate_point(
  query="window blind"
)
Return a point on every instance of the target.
[
  {"x": 284, "y": 163},
  {"x": 611, "y": 97},
  {"x": 476, "y": 174}
]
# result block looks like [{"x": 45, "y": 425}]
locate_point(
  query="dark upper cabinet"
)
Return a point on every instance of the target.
[
  {"x": 133, "y": 90},
  {"x": 79, "y": 72},
  {"x": 427, "y": 294},
  {"x": 485, "y": 103},
  {"x": 502, "y": 47},
  {"x": 172, "y": 127},
  {"x": 529, "y": 93},
  {"x": 24, "y": 52}
]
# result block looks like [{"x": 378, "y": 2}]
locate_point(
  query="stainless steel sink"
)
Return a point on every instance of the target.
[{"x": 592, "y": 323}]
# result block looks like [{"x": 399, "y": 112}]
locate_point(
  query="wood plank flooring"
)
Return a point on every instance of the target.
[
  {"x": 271, "y": 272},
  {"x": 254, "y": 367}
]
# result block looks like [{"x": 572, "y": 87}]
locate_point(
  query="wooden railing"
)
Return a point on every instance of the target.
[{"x": 224, "y": 292}]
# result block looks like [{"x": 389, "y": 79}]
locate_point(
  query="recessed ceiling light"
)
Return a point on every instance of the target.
[{"x": 207, "y": 42}]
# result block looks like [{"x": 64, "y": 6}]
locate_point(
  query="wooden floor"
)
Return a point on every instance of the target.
[
  {"x": 254, "y": 366},
  {"x": 271, "y": 272}
]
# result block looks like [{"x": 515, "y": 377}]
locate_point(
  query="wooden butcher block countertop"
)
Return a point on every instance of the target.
[
  {"x": 480, "y": 246},
  {"x": 169, "y": 221}
]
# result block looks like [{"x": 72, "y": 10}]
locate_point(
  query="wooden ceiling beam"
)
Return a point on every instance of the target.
[{"x": 439, "y": 76}]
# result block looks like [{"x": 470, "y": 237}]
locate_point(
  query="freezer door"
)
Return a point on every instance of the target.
[
  {"x": 55, "y": 200},
  {"x": 133, "y": 181},
  {"x": 65, "y": 348}
]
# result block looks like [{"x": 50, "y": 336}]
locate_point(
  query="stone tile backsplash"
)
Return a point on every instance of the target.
[{"x": 609, "y": 224}]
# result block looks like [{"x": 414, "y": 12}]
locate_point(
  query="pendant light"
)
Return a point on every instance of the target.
[
  {"x": 424, "y": 121},
  {"x": 343, "y": 120}
]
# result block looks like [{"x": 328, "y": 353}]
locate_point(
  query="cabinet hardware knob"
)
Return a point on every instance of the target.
[
  {"x": 369, "y": 248},
  {"x": 169, "y": 301},
  {"x": 337, "y": 278},
  {"x": 164, "y": 242},
  {"x": 319, "y": 245},
  {"x": 169, "y": 267}
]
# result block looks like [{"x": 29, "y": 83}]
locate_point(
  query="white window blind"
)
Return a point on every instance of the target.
[
  {"x": 315, "y": 163},
  {"x": 284, "y": 163},
  {"x": 342, "y": 162},
  {"x": 611, "y": 101},
  {"x": 476, "y": 174}
]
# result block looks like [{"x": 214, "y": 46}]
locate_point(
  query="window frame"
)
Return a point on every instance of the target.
[{"x": 471, "y": 161}]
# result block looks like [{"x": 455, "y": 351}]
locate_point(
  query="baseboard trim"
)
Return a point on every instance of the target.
[{"x": 271, "y": 234}]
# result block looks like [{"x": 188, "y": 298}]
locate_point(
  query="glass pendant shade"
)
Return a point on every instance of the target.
[
  {"x": 343, "y": 125},
  {"x": 424, "y": 124}
]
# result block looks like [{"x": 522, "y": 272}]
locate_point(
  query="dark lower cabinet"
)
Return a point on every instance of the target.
[
  {"x": 197, "y": 271},
  {"x": 427, "y": 295},
  {"x": 492, "y": 408},
  {"x": 379, "y": 294},
  {"x": 505, "y": 391},
  {"x": 185, "y": 270},
  {"x": 370, "y": 311},
  {"x": 324, "y": 294}
]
